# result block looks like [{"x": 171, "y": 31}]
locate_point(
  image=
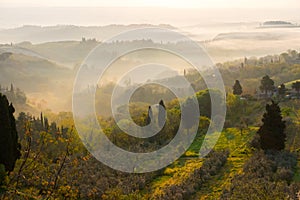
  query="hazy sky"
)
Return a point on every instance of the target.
[
  {"x": 157, "y": 3},
  {"x": 14, "y": 13}
]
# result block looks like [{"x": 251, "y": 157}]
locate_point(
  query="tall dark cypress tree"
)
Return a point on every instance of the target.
[
  {"x": 161, "y": 114},
  {"x": 11, "y": 87},
  {"x": 272, "y": 135},
  {"x": 46, "y": 124},
  {"x": 9, "y": 146},
  {"x": 42, "y": 120},
  {"x": 237, "y": 88},
  {"x": 149, "y": 116}
]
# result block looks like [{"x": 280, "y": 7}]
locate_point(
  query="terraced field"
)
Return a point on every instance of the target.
[
  {"x": 239, "y": 153},
  {"x": 177, "y": 173}
]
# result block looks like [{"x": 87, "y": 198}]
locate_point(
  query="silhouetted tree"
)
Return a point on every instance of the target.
[
  {"x": 149, "y": 116},
  {"x": 46, "y": 123},
  {"x": 245, "y": 60},
  {"x": 9, "y": 146},
  {"x": 11, "y": 88},
  {"x": 161, "y": 114},
  {"x": 267, "y": 84},
  {"x": 272, "y": 135},
  {"x": 237, "y": 88},
  {"x": 42, "y": 120}
]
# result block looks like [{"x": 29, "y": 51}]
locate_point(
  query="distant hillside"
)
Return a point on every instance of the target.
[
  {"x": 249, "y": 36},
  {"x": 69, "y": 45},
  {"x": 39, "y": 34},
  {"x": 43, "y": 81},
  {"x": 275, "y": 24},
  {"x": 68, "y": 53}
]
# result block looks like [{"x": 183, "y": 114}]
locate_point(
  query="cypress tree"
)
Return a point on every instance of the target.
[
  {"x": 42, "y": 120},
  {"x": 46, "y": 124},
  {"x": 9, "y": 146},
  {"x": 237, "y": 88},
  {"x": 161, "y": 114},
  {"x": 272, "y": 135},
  {"x": 149, "y": 116},
  {"x": 11, "y": 88}
]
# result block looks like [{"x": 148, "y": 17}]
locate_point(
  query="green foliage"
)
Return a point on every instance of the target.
[
  {"x": 290, "y": 83},
  {"x": 152, "y": 94},
  {"x": 204, "y": 99},
  {"x": 189, "y": 113},
  {"x": 272, "y": 135},
  {"x": 280, "y": 68},
  {"x": 59, "y": 167},
  {"x": 267, "y": 84},
  {"x": 187, "y": 177},
  {"x": 237, "y": 145}
]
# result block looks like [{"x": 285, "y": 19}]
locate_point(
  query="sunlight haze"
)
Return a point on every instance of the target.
[{"x": 156, "y": 3}]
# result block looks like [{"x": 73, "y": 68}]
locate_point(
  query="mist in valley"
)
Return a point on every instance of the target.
[{"x": 46, "y": 70}]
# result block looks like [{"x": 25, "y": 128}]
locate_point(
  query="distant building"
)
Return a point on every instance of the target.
[{"x": 263, "y": 95}]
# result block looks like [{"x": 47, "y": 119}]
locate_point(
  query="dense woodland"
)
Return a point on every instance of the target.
[{"x": 256, "y": 156}]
